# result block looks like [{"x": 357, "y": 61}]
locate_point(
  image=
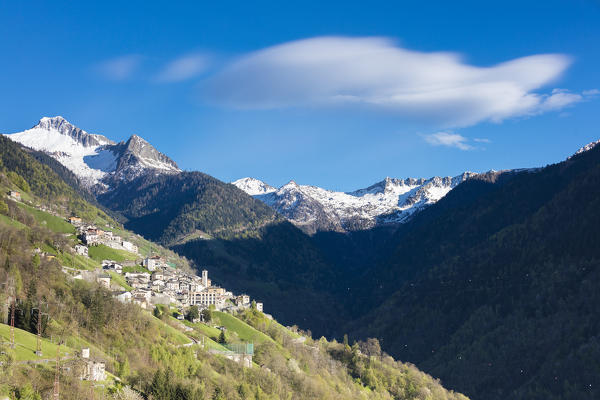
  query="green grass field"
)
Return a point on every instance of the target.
[
  {"x": 136, "y": 269},
  {"x": 26, "y": 344},
  {"x": 102, "y": 252},
  {"x": 78, "y": 261},
  {"x": 52, "y": 222},
  {"x": 244, "y": 331},
  {"x": 11, "y": 222},
  {"x": 211, "y": 344},
  {"x": 120, "y": 280},
  {"x": 204, "y": 334},
  {"x": 206, "y": 330},
  {"x": 290, "y": 333},
  {"x": 173, "y": 335},
  {"x": 48, "y": 249}
]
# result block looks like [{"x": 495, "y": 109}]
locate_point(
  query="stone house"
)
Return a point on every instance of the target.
[
  {"x": 104, "y": 280},
  {"x": 92, "y": 370},
  {"x": 242, "y": 300},
  {"x": 75, "y": 221},
  {"x": 152, "y": 263},
  {"x": 15, "y": 195},
  {"x": 129, "y": 246},
  {"x": 124, "y": 297},
  {"x": 81, "y": 250}
]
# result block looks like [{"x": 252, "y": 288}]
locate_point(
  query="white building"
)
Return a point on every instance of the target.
[
  {"x": 112, "y": 266},
  {"x": 157, "y": 285},
  {"x": 144, "y": 276},
  {"x": 242, "y": 300},
  {"x": 15, "y": 195},
  {"x": 81, "y": 250},
  {"x": 91, "y": 237},
  {"x": 129, "y": 246},
  {"x": 209, "y": 296},
  {"x": 124, "y": 297},
  {"x": 152, "y": 263},
  {"x": 75, "y": 221},
  {"x": 94, "y": 371}
]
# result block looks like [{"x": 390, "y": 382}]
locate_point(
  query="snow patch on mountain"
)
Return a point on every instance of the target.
[
  {"x": 104, "y": 160},
  {"x": 316, "y": 209}
]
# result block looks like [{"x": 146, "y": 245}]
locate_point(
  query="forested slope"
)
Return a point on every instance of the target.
[
  {"x": 173, "y": 208},
  {"x": 496, "y": 295}
]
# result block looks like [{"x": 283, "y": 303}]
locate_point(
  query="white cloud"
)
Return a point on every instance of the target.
[
  {"x": 591, "y": 92},
  {"x": 376, "y": 72},
  {"x": 448, "y": 139},
  {"x": 183, "y": 68},
  {"x": 120, "y": 68},
  {"x": 482, "y": 140},
  {"x": 560, "y": 98}
]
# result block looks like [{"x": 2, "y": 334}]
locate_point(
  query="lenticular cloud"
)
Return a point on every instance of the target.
[{"x": 377, "y": 73}]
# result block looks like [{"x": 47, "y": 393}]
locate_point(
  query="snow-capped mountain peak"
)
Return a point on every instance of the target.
[
  {"x": 290, "y": 185},
  {"x": 64, "y": 127},
  {"x": 253, "y": 186},
  {"x": 136, "y": 157},
  {"x": 94, "y": 158}
]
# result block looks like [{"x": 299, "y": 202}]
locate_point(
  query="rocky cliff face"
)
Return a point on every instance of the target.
[{"x": 136, "y": 157}]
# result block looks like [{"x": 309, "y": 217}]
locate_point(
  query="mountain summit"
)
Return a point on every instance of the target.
[
  {"x": 136, "y": 156},
  {"x": 64, "y": 127},
  {"x": 97, "y": 161}
]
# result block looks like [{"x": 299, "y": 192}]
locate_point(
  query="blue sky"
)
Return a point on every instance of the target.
[{"x": 338, "y": 95}]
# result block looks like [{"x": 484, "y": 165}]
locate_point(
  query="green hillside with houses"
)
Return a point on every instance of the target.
[{"x": 63, "y": 286}]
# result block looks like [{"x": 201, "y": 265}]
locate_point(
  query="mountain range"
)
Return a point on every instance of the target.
[{"x": 314, "y": 209}]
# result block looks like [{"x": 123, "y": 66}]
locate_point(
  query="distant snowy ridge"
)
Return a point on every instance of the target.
[
  {"x": 587, "y": 147},
  {"x": 96, "y": 160},
  {"x": 316, "y": 209}
]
